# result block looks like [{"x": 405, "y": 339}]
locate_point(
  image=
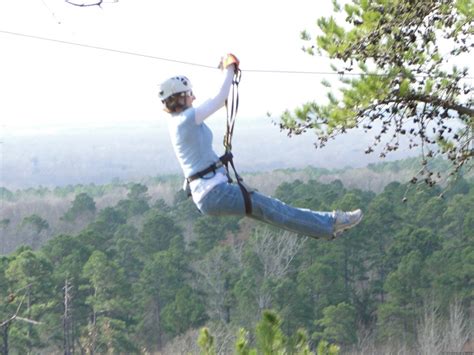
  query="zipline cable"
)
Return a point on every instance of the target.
[
  {"x": 152, "y": 56},
  {"x": 119, "y": 51},
  {"x": 104, "y": 49}
]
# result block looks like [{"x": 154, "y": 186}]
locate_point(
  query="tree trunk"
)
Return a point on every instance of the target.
[
  {"x": 159, "y": 333},
  {"x": 5, "y": 338},
  {"x": 68, "y": 342},
  {"x": 30, "y": 326}
]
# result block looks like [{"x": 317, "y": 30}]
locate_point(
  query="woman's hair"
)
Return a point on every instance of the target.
[{"x": 176, "y": 102}]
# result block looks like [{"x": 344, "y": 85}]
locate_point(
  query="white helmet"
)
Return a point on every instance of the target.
[{"x": 173, "y": 86}]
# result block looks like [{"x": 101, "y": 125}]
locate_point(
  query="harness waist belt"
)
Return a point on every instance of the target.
[{"x": 223, "y": 160}]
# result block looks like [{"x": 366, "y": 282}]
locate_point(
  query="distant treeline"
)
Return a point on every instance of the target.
[{"x": 100, "y": 154}]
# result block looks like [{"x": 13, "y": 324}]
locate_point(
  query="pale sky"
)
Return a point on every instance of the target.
[{"x": 44, "y": 83}]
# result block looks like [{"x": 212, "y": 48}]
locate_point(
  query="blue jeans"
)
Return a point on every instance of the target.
[{"x": 226, "y": 199}]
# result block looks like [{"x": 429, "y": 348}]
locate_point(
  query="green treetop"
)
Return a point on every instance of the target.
[{"x": 409, "y": 85}]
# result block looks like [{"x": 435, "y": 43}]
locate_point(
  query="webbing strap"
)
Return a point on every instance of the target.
[
  {"x": 243, "y": 189},
  {"x": 234, "y": 107}
]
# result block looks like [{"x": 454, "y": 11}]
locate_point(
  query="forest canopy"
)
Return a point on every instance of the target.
[{"x": 142, "y": 274}]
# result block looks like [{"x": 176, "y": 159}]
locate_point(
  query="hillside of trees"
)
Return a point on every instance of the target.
[{"x": 135, "y": 268}]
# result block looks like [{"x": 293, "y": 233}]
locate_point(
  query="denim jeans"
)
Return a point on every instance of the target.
[{"x": 226, "y": 199}]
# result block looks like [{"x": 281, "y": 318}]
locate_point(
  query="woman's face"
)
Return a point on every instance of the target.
[{"x": 190, "y": 98}]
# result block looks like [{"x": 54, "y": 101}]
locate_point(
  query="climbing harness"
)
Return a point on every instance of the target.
[{"x": 227, "y": 158}]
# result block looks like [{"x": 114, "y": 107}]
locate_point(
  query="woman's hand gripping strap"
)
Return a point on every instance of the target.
[{"x": 228, "y": 60}]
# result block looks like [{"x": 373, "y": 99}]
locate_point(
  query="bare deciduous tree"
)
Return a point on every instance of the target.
[
  {"x": 215, "y": 281},
  {"x": 456, "y": 330},
  {"x": 429, "y": 331},
  {"x": 89, "y": 4},
  {"x": 275, "y": 252},
  {"x": 436, "y": 336}
]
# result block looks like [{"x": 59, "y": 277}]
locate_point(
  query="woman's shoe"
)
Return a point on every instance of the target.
[{"x": 346, "y": 220}]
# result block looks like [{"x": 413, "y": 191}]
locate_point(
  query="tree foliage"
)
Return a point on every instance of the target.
[
  {"x": 83, "y": 205},
  {"x": 410, "y": 89},
  {"x": 269, "y": 339},
  {"x": 36, "y": 222}
]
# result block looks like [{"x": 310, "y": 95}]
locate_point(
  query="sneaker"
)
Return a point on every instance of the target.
[{"x": 346, "y": 220}]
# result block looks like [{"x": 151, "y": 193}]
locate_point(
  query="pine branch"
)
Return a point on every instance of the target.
[{"x": 464, "y": 110}]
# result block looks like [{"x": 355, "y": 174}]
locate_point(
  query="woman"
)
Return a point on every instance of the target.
[{"x": 207, "y": 179}]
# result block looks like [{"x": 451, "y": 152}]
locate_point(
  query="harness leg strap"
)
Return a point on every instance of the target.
[
  {"x": 247, "y": 199},
  {"x": 245, "y": 191}
]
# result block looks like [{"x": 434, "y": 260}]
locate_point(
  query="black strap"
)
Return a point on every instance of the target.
[
  {"x": 234, "y": 107},
  {"x": 245, "y": 192},
  {"x": 223, "y": 161}
]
